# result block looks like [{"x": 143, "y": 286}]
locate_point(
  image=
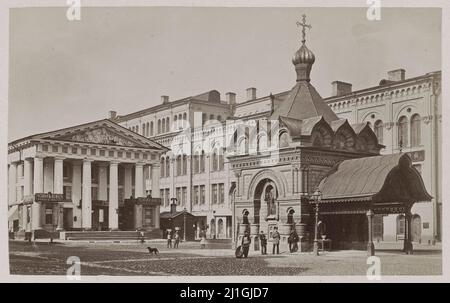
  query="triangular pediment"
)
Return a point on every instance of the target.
[{"x": 104, "y": 132}]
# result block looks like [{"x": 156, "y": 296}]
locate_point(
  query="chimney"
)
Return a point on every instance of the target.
[
  {"x": 173, "y": 208},
  {"x": 396, "y": 75},
  {"x": 251, "y": 93},
  {"x": 112, "y": 114},
  {"x": 341, "y": 88},
  {"x": 165, "y": 99},
  {"x": 231, "y": 98}
]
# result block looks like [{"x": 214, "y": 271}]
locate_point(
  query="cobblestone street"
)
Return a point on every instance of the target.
[{"x": 134, "y": 259}]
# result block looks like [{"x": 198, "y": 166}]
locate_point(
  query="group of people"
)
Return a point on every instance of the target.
[
  {"x": 292, "y": 241},
  {"x": 176, "y": 237}
]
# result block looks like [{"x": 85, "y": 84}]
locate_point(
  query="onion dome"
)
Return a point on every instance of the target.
[{"x": 303, "y": 56}]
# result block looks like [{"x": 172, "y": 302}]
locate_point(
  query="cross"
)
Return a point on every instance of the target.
[{"x": 304, "y": 25}]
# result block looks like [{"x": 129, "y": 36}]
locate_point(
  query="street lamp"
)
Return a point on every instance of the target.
[
  {"x": 317, "y": 197},
  {"x": 184, "y": 225}
]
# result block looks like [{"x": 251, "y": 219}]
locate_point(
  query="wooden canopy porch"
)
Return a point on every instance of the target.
[{"x": 374, "y": 185}]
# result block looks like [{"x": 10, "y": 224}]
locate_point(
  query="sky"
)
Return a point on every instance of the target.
[{"x": 64, "y": 73}]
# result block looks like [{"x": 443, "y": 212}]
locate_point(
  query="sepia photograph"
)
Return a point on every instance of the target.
[{"x": 227, "y": 141}]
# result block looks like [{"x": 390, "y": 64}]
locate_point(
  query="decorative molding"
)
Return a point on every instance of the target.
[
  {"x": 427, "y": 119},
  {"x": 389, "y": 125}
]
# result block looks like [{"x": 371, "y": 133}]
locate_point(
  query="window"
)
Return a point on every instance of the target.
[
  {"x": 196, "y": 164},
  {"x": 166, "y": 197},
  {"x": 184, "y": 196},
  {"x": 378, "y": 129},
  {"x": 196, "y": 196},
  {"x": 400, "y": 225},
  {"x": 178, "y": 165},
  {"x": 137, "y": 128},
  {"x": 148, "y": 130},
  {"x": 402, "y": 131},
  {"x": 184, "y": 165},
  {"x": 214, "y": 160},
  {"x": 378, "y": 227},
  {"x": 204, "y": 118},
  {"x": 415, "y": 130},
  {"x": 163, "y": 165},
  {"x": 163, "y": 125},
  {"x": 167, "y": 167},
  {"x": 178, "y": 195},
  {"x": 202, "y": 194},
  {"x": 49, "y": 215},
  {"x": 151, "y": 128},
  {"x": 159, "y": 126},
  {"x": 67, "y": 191},
  {"x": 214, "y": 193},
  {"x": 221, "y": 194},
  {"x": 167, "y": 124},
  {"x": 202, "y": 162},
  {"x": 144, "y": 129},
  {"x": 221, "y": 161}
]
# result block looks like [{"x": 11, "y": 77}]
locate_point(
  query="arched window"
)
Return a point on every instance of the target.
[
  {"x": 151, "y": 128},
  {"x": 211, "y": 117},
  {"x": 178, "y": 165},
  {"x": 148, "y": 130},
  {"x": 284, "y": 139},
  {"x": 400, "y": 225},
  {"x": 403, "y": 131},
  {"x": 137, "y": 128},
  {"x": 220, "y": 227},
  {"x": 214, "y": 160},
  {"x": 184, "y": 165},
  {"x": 290, "y": 216},
  {"x": 143, "y": 129},
  {"x": 159, "y": 126},
  {"x": 167, "y": 167},
  {"x": 175, "y": 122},
  {"x": 378, "y": 129},
  {"x": 162, "y": 167},
  {"x": 167, "y": 124},
  {"x": 180, "y": 117},
  {"x": 163, "y": 125},
  {"x": 185, "y": 117},
  {"x": 415, "y": 130},
  {"x": 219, "y": 118}
]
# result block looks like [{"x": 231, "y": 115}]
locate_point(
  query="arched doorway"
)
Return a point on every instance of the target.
[
  {"x": 219, "y": 228},
  {"x": 290, "y": 216},
  {"x": 416, "y": 228},
  {"x": 212, "y": 228},
  {"x": 265, "y": 197}
]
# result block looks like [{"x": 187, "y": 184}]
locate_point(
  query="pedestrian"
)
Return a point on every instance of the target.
[
  {"x": 276, "y": 240},
  {"x": 203, "y": 239},
  {"x": 169, "y": 239},
  {"x": 293, "y": 240},
  {"x": 246, "y": 240},
  {"x": 177, "y": 239},
  {"x": 263, "y": 239}
]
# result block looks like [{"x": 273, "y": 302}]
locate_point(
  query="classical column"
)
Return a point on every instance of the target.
[
  {"x": 38, "y": 187},
  {"x": 155, "y": 180},
  {"x": 128, "y": 182},
  {"x": 138, "y": 216},
  {"x": 86, "y": 197},
  {"x": 139, "y": 180},
  {"x": 76, "y": 194},
  {"x": 18, "y": 189},
  {"x": 12, "y": 182},
  {"x": 113, "y": 196},
  {"x": 58, "y": 188},
  {"x": 48, "y": 176},
  {"x": 28, "y": 177},
  {"x": 370, "y": 246},
  {"x": 407, "y": 244},
  {"x": 103, "y": 181}
]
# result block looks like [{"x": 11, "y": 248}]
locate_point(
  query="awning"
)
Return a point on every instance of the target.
[
  {"x": 388, "y": 183},
  {"x": 13, "y": 213}
]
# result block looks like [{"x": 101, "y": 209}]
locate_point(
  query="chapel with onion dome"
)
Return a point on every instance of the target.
[{"x": 327, "y": 179}]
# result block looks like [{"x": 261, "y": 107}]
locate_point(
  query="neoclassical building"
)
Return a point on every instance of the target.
[{"x": 85, "y": 177}]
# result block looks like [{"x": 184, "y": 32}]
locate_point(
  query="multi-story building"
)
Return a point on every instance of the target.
[{"x": 405, "y": 114}]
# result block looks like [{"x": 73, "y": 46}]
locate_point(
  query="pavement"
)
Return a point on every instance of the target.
[{"x": 132, "y": 258}]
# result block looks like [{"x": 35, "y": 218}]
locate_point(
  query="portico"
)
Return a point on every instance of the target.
[{"x": 78, "y": 178}]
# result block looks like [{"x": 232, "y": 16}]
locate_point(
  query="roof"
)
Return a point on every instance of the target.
[
  {"x": 104, "y": 132},
  {"x": 170, "y": 215},
  {"x": 304, "y": 102},
  {"x": 387, "y": 178}
]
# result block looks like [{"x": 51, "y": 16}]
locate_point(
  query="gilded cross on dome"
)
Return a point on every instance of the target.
[{"x": 303, "y": 25}]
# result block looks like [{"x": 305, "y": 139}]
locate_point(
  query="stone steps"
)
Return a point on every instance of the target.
[{"x": 109, "y": 235}]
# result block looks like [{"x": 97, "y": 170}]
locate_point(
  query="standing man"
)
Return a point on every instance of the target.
[
  {"x": 276, "y": 240},
  {"x": 246, "y": 240},
  {"x": 169, "y": 239},
  {"x": 177, "y": 239},
  {"x": 263, "y": 239}
]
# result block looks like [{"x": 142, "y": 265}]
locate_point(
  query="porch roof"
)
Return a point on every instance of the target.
[{"x": 387, "y": 179}]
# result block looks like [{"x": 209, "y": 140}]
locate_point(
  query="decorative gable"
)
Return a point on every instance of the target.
[{"x": 100, "y": 135}]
